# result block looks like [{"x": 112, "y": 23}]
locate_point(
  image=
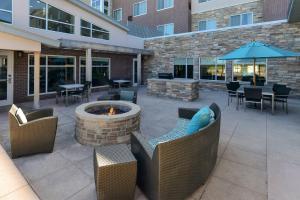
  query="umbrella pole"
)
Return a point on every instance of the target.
[{"x": 254, "y": 79}]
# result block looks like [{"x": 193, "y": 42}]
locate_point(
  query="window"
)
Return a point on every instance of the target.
[
  {"x": 101, "y": 5},
  {"x": 207, "y": 25},
  {"x": 100, "y": 71},
  {"x": 55, "y": 70},
  {"x": 91, "y": 30},
  {"x": 117, "y": 14},
  {"x": 140, "y": 8},
  {"x": 45, "y": 16},
  {"x": 164, "y": 4},
  {"x": 212, "y": 69},
  {"x": 183, "y": 68},
  {"x": 6, "y": 11},
  {"x": 243, "y": 70},
  {"x": 166, "y": 29},
  {"x": 242, "y": 19}
]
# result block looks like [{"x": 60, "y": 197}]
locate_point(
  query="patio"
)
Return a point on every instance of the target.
[{"x": 259, "y": 153}]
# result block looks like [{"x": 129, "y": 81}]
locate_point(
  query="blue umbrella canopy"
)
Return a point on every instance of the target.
[{"x": 256, "y": 50}]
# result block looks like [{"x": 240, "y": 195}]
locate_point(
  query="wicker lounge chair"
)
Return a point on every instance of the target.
[
  {"x": 35, "y": 136},
  {"x": 120, "y": 94},
  {"x": 175, "y": 169}
]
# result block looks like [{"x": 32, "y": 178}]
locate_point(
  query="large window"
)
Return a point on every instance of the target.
[
  {"x": 243, "y": 70},
  {"x": 117, "y": 14},
  {"x": 45, "y": 16},
  {"x": 140, "y": 8},
  {"x": 100, "y": 71},
  {"x": 209, "y": 24},
  {"x": 212, "y": 69},
  {"x": 164, "y": 4},
  {"x": 101, "y": 5},
  {"x": 242, "y": 19},
  {"x": 6, "y": 11},
  {"x": 166, "y": 29},
  {"x": 55, "y": 70},
  {"x": 90, "y": 30},
  {"x": 183, "y": 68}
]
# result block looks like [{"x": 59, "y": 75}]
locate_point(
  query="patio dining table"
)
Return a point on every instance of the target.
[
  {"x": 120, "y": 82},
  {"x": 266, "y": 91},
  {"x": 68, "y": 88}
]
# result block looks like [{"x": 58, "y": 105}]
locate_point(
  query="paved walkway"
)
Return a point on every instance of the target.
[{"x": 259, "y": 153}]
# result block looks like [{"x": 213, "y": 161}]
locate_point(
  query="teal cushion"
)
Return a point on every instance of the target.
[
  {"x": 178, "y": 132},
  {"x": 201, "y": 119},
  {"x": 126, "y": 95}
]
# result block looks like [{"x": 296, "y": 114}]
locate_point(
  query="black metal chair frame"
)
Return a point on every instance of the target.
[{"x": 254, "y": 96}]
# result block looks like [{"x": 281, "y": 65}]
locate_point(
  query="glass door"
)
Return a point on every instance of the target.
[
  {"x": 135, "y": 72},
  {"x": 5, "y": 78}
]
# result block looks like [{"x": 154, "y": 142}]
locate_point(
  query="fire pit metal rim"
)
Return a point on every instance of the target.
[{"x": 81, "y": 110}]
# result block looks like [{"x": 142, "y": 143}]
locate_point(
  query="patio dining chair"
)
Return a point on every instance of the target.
[
  {"x": 281, "y": 96},
  {"x": 83, "y": 93},
  {"x": 232, "y": 91},
  {"x": 254, "y": 96}
]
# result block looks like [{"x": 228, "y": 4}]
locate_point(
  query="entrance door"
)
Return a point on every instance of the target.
[
  {"x": 135, "y": 72},
  {"x": 6, "y": 83}
]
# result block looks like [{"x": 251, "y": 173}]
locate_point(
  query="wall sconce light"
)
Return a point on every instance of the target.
[{"x": 20, "y": 54}]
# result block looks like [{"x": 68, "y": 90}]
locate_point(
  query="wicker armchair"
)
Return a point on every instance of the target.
[
  {"x": 36, "y": 136},
  {"x": 175, "y": 169}
]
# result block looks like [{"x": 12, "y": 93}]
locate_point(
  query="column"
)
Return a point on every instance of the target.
[
  {"x": 36, "y": 98},
  {"x": 139, "y": 68},
  {"x": 88, "y": 65}
]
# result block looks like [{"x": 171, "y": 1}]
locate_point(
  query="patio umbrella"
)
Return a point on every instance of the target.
[{"x": 256, "y": 50}]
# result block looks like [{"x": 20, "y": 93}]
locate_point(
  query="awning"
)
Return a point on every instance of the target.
[
  {"x": 73, "y": 44},
  {"x": 13, "y": 38},
  {"x": 294, "y": 11}
]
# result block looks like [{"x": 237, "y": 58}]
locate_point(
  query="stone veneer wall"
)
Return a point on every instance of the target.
[
  {"x": 222, "y": 16},
  {"x": 217, "y": 43}
]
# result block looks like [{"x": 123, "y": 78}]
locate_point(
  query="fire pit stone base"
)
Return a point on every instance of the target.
[{"x": 99, "y": 130}]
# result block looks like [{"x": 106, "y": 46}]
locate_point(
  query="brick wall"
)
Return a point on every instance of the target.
[
  {"x": 179, "y": 15},
  {"x": 222, "y": 16},
  {"x": 121, "y": 67},
  {"x": 217, "y": 43}
]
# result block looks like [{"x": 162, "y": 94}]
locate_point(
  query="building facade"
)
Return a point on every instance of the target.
[
  {"x": 215, "y": 14},
  {"x": 51, "y": 42},
  {"x": 219, "y": 28},
  {"x": 167, "y": 16}
]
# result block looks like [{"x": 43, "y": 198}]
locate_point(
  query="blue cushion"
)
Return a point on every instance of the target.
[
  {"x": 178, "y": 132},
  {"x": 201, "y": 119},
  {"x": 126, "y": 95}
]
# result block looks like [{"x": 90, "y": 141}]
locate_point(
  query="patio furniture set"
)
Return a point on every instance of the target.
[
  {"x": 83, "y": 91},
  {"x": 171, "y": 166},
  {"x": 246, "y": 94}
]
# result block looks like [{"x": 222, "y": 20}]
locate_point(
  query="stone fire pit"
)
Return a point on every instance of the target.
[{"x": 95, "y": 126}]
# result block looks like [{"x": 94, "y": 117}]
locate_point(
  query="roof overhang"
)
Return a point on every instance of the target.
[
  {"x": 74, "y": 44},
  {"x": 95, "y": 12},
  {"x": 294, "y": 11},
  {"x": 28, "y": 41}
]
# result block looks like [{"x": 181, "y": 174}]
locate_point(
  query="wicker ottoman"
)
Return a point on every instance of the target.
[{"x": 115, "y": 170}]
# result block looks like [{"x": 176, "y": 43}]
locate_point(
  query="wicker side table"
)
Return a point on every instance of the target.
[{"x": 115, "y": 170}]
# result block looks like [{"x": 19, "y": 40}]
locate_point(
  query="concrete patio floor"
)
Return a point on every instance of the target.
[{"x": 259, "y": 153}]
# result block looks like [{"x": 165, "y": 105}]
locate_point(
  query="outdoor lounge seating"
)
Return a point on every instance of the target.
[
  {"x": 35, "y": 136},
  {"x": 129, "y": 94},
  {"x": 176, "y": 168}
]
